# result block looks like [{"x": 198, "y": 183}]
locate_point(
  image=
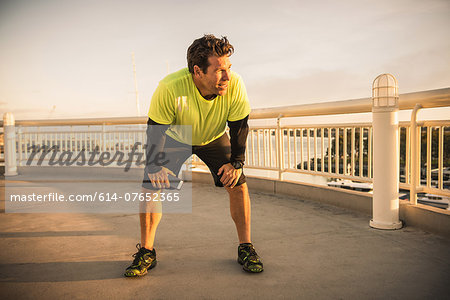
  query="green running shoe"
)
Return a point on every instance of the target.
[
  {"x": 144, "y": 260},
  {"x": 248, "y": 257}
]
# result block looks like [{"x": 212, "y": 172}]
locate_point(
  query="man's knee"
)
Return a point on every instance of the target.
[
  {"x": 238, "y": 189},
  {"x": 149, "y": 201}
]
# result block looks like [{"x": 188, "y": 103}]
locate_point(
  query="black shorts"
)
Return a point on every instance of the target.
[{"x": 214, "y": 155}]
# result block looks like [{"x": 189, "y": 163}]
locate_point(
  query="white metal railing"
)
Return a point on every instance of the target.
[
  {"x": 327, "y": 150},
  {"x": 311, "y": 149},
  {"x": 330, "y": 150},
  {"x": 433, "y": 152},
  {"x": 76, "y": 140},
  {"x": 338, "y": 151}
]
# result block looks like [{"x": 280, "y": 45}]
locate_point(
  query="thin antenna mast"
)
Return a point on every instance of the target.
[{"x": 135, "y": 85}]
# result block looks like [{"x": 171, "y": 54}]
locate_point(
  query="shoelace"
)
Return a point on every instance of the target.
[
  {"x": 252, "y": 252},
  {"x": 136, "y": 256}
]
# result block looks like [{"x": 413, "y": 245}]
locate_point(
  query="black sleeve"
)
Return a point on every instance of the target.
[
  {"x": 238, "y": 139},
  {"x": 156, "y": 138}
]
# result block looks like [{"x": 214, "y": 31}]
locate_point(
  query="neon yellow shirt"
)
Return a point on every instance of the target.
[{"x": 177, "y": 101}]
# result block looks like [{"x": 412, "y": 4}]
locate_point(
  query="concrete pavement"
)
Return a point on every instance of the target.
[{"x": 310, "y": 251}]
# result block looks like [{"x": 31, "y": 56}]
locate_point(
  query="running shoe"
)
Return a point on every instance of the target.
[
  {"x": 248, "y": 257},
  {"x": 144, "y": 260}
]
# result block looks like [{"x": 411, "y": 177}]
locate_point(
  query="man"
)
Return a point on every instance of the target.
[{"x": 207, "y": 95}]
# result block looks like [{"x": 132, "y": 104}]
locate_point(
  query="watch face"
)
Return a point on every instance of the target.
[{"x": 236, "y": 164}]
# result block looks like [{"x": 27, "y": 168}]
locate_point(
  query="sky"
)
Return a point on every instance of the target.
[{"x": 72, "y": 59}]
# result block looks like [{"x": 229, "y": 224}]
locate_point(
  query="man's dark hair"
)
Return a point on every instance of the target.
[{"x": 204, "y": 47}]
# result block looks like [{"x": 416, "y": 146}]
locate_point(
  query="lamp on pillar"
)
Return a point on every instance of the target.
[
  {"x": 385, "y": 93},
  {"x": 385, "y": 204}
]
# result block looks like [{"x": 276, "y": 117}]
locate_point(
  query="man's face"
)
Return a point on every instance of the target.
[{"x": 215, "y": 80}]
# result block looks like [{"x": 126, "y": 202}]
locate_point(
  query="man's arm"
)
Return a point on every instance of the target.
[
  {"x": 238, "y": 139},
  {"x": 156, "y": 139}
]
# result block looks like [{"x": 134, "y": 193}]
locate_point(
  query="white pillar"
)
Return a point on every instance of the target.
[
  {"x": 385, "y": 153},
  {"x": 10, "y": 144}
]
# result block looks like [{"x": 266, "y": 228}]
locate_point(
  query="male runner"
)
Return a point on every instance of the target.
[{"x": 206, "y": 95}]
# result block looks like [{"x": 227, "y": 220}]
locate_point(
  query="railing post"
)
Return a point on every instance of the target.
[
  {"x": 9, "y": 130},
  {"x": 103, "y": 142},
  {"x": 415, "y": 160},
  {"x": 20, "y": 143},
  {"x": 385, "y": 153},
  {"x": 280, "y": 148}
]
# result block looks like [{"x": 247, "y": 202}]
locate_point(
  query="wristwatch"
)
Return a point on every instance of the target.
[{"x": 237, "y": 164}]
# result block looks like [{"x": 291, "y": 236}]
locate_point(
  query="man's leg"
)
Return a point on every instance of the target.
[
  {"x": 240, "y": 211},
  {"x": 150, "y": 215},
  {"x": 215, "y": 155},
  {"x": 241, "y": 214}
]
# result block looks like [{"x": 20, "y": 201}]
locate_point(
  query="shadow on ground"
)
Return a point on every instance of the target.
[
  {"x": 62, "y": 271},
  {"x": 52, "y": 234}
]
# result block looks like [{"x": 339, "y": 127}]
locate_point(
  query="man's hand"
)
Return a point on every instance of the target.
[
  {"x": 160, "y": 179},
  {"x": 230, "y": 175}
]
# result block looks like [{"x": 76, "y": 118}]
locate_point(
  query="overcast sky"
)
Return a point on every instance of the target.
[{"x": 67, "y": 59}]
